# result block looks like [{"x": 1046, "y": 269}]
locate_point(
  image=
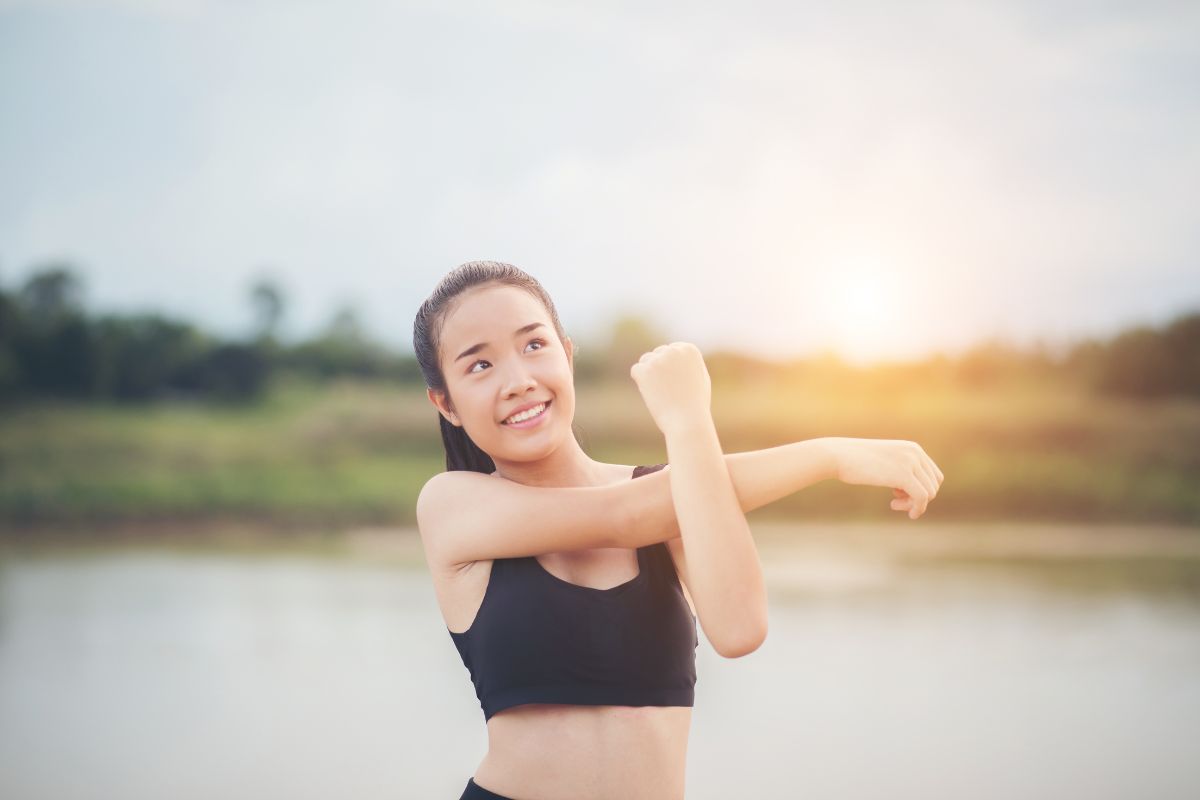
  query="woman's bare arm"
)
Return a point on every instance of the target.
[
  {"x": 725, "y": 578},
  {"x": 468, "y": 516},
  {"x": 759, "y": 477}
]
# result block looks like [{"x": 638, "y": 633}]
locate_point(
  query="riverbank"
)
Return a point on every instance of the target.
[
  {"x": 353, "y": 454},
  {"x": 804, "y": 557}
]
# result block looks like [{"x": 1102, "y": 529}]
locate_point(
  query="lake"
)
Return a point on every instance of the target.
[{"x": 902, "y": 662}]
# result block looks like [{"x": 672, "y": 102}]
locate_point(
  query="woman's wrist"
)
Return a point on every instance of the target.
[
  {"x": 829, "y": 452},
  {"x": 688, "y": 427}
]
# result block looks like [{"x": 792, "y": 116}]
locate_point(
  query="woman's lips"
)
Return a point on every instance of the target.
[{"x": 532, "y": 421}]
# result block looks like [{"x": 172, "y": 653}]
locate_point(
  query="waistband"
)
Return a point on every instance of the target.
[{"x": 476, "y": 792}]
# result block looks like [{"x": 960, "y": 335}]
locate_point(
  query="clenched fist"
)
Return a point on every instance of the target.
[{"x": 675, "y": 385}]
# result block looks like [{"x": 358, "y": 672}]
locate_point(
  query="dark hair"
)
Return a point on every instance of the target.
[{"x": 461, "y": 452}]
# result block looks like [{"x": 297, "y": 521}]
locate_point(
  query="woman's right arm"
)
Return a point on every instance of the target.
[
  {"x": 759, "y": 477},
  {"x": 467, "y": 516}
]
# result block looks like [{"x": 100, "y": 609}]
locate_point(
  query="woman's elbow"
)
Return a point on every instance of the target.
[{"x": 750, "y": 638}]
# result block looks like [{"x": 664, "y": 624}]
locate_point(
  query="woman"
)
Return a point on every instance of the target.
[{"x": 571, "y": 591}]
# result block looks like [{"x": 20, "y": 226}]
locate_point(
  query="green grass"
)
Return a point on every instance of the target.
[{"x": 350, "y": 453}]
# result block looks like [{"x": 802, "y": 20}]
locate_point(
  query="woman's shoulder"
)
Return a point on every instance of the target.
[{"x": 615, "y": 473}]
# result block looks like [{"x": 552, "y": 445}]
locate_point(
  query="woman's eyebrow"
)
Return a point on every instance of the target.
[{"x": 475, "y": 348}]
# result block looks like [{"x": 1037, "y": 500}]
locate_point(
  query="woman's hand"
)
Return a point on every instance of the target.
[
  {"x": 896, "y": 463},
  {"x": 675, "y": 385}
]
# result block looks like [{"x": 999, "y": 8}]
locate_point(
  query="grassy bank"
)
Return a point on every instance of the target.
[{"x": 347, "y": 454}]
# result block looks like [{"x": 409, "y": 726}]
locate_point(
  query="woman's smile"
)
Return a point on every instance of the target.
[{"x": 531, "y": 421}]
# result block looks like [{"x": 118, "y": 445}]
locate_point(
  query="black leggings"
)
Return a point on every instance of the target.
[{"x": 476, "y": 792}]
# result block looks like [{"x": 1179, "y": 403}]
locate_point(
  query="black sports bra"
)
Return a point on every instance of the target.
[{"x": 540, "y": 639}]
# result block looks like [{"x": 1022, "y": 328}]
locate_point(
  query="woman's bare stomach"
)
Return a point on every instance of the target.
[{"x": 542, "y": 751}]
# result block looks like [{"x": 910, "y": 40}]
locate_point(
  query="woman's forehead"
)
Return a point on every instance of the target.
[{"x": 490, "y": 316}]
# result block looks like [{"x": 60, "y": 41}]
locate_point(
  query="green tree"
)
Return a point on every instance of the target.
[
  {"x": 631, "y": 335},
  {"x": 1137, "y": 364},
  {"x": 51, "y": 293},
  {"x": 269, "y": 305},
  {"x": 1182, "y": 341}
]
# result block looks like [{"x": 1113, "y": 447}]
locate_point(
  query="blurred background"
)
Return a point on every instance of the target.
[{"x": 967, "y": 225}]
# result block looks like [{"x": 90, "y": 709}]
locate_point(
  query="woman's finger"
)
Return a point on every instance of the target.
[
  {"x": 931, "y": 481},
  {"x": 919, "y": 496},
  {"x": 936, "y": 471},
  {"x": 927, "y": 483}
]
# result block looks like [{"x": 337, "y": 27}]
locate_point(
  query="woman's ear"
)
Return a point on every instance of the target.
[
  {"x": 443, "y": 407},
  {"x": 569, "y": 346}
]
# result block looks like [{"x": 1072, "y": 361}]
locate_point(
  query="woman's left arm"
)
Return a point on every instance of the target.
[
  {"x": 725, "y": 578},
  {"x": 724, "y": 575}
]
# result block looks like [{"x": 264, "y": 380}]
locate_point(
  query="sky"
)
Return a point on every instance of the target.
[{"x": 876, "y": 180}]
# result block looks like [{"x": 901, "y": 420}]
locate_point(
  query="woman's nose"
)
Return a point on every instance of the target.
[{"x": 520, "y": 381}]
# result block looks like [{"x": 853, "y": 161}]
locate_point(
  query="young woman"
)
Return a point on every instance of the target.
[{"x": 571, "y": 590}]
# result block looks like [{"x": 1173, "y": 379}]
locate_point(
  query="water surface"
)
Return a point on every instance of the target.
[{"x": 151, "y": 674}]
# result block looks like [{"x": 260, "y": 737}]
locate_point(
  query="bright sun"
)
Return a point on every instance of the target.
[{"x": 861, "y": 304}]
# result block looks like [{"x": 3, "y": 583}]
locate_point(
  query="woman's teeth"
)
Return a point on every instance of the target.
[{"x": 524, "y": 415}]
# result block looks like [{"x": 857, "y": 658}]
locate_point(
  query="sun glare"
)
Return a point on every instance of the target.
[{"x": 861, "y": 304}]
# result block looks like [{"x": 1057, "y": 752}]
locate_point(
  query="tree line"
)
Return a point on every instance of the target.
[{"x": 52, "y": 347}]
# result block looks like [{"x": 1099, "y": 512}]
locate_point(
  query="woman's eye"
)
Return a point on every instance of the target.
[{"x": 540, "y": 342}]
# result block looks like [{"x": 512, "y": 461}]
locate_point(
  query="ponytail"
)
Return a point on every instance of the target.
[{"x": 461, "y": 451}]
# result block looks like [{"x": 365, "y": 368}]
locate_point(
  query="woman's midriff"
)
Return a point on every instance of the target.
[{"x": 543, "y": 751}]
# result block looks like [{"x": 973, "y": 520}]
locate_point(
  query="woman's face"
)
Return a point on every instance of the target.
[{"x": 494, "y": 365}]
